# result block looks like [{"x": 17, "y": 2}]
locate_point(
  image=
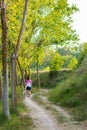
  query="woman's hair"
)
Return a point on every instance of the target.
[{"x": 28, "y": 77}]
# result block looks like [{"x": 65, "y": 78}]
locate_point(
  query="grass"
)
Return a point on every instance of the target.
[
  {"x": 16, "y": 122},
  {"x": 50, "y": 79},
  {"x": 61, "y": 118},
  {"x": 19, "y": 120},
  {"x": 68, "y": 89},
  {"x": 72, "y": 93}
]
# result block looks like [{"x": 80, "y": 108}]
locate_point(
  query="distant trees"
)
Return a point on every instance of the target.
[
  {"x": 56, "y": 62},
  {"x": 83, "y": 49},
  {"x": 73, "y": 63}
]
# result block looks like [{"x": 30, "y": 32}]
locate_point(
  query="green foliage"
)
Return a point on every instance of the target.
[
  {"x": 14, "y": 16},
  {"x": 38, "y": 53},
  {"x": 73, "y": 63},
  {"x": 56, "y": 26},
  {"x": 47, "y": 22},
  {"x": 72, "y": 92},
  {"x": 25, "y": 55},
  {"x": 56, "y": 62},
  {"x": 16, "y": 122},
  {"x": 49, "y": 79},
  {"x": 19, "y": 119},
  {"x": 52, "y": 24},
  {"x": 48, "y": 52},
  {"x": 83, "y": 49},
  {"x": 80, "y": 52}
]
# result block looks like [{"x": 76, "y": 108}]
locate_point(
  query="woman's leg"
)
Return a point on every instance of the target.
[{"x": 28, "y": 93}]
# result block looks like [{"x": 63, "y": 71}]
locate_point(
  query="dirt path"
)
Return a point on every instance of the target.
[{"x": 44, "y": 120}]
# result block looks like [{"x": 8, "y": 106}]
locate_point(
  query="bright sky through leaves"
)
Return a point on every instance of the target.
[{"x": 80, "y": 19}]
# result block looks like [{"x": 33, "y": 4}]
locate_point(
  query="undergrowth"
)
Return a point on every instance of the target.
[
  {"x": 72, "y": 93},
  {"x": 68, "y": 89},
  {"x": 20, "y": 119}
]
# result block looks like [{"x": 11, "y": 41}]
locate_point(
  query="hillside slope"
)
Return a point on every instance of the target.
[{"x": 72, "y": 92}]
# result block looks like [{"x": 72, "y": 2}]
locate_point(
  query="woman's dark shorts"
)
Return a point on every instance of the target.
[{"x": 28, "y": 88}]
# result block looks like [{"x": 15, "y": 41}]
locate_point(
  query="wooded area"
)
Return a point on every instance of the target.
[{"x": 35, "y": 36}]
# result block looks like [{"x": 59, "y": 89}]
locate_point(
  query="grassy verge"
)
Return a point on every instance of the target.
[
  {"x": 50, "y": 79},
  {"x": 68, "y": 89},
  {"x": 72, "y": 94},
  {"x": 19, "y": 120}
]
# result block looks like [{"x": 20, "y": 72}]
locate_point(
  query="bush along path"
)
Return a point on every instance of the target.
[{"x": 47, "y": 116}]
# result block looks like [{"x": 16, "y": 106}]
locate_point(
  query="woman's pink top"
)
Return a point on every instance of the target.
[{"x": 28, "y": 82}]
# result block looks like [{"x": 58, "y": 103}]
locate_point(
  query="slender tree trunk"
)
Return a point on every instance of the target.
[
  {"x": 15, "y": 53},
  {"x": 0, "y": 88},
  {"x": 13, "y": 83},
  {"x": 0, "y": 4},
  {"x": 22, "y": 73},
  {"x": 21, "y": 29},
  {"x": 4, "y": 61},
  {"x": 0, "y": 74},
  {"x": 38, "y": 77}
]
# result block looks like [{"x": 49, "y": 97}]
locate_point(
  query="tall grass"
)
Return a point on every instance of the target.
[
  {"x": 72, "y": 92},
  {"x": 16, "y": 123},
  {"x": 19, "y": 120},
  {"x": 68, "y": 89}
]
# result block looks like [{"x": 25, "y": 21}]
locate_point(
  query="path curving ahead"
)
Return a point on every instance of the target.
[{"x": 43, "y": 120}]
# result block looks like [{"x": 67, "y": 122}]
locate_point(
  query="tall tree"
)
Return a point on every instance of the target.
[
  {"x": 52, "y": 21},
  {"x": 0, "y": 88},
  {"x": 4, "y": 60},
  {"x": 48, "y": 20},
  {"x": 14, "y": 55}
]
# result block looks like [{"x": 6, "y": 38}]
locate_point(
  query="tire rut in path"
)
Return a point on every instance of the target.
[{"x": 41, "y": 117}]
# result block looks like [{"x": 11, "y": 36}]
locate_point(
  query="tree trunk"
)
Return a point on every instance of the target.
[
  {"x": 15, "y": 53},
  {"x": 0, "y": 88},
  {"x": 4, "y": 61},
  {"x": 21, "y": 29},
  {"x": 13, "y": 83},
  {"x": 38, "y": 77},
  {"x": 22, "y": 73}
]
